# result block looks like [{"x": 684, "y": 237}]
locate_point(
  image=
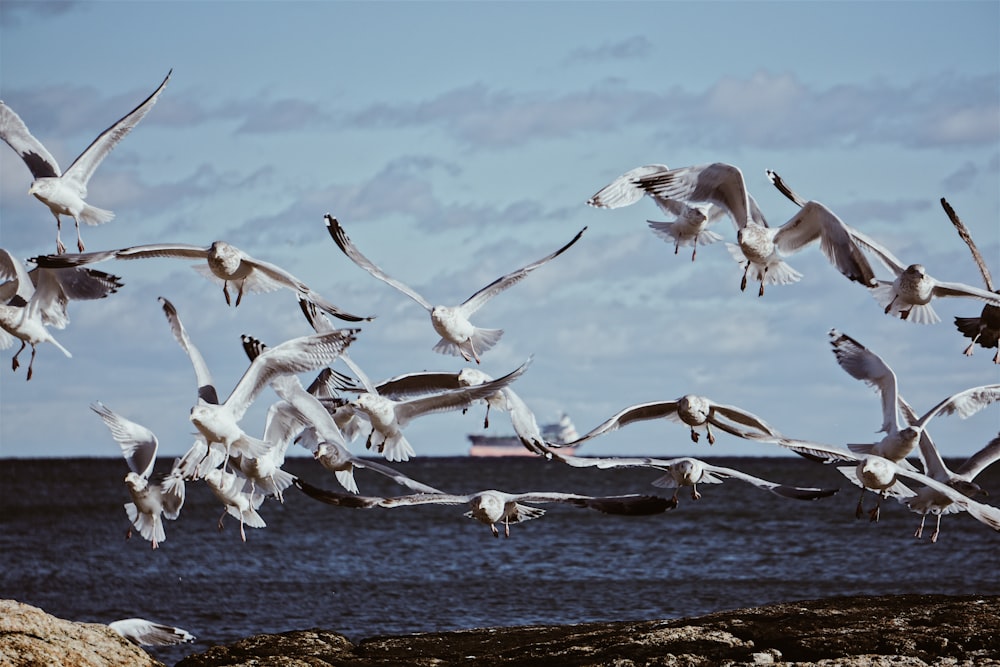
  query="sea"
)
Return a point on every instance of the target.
[{"x": 373, "y": 572}]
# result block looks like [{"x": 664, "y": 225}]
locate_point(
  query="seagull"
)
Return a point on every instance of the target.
[
  {"x": 141, "y": 632},
  {"x": 492, "y": 507},
  {"x": 984, "y": 329},
  {"x": 930, "y": 501},
  {"x": 219, "y": 422},
  {"x": 151, "y": 503},
  {"x": 694, "y": 411},
  {"x": 388, "y": 417},
  {"x": 239, "y": 497},
  {"x": 687, "y": 471},
  {"x": 863, "y": 364},
  {"x": 459, "y": 337},
  {"x": 64, "y": 193},
  {"x": 760, "y": 247},
  {"x": 300, "y": 415},
  {"x": 224, "y": 263},
  {"x": 691, "y": 225},
  {"x": 32, "y": 301}
]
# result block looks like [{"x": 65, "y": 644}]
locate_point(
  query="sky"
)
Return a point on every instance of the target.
[{"x": 457, "y": 142}]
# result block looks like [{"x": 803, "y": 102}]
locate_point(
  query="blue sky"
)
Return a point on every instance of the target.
[{"x": 459, "y": 141}]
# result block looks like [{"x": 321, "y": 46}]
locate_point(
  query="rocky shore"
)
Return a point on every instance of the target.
[{"x": 901, "y": 631}]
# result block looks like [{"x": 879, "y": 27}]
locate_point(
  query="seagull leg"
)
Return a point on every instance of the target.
[
  {"x": 677, "y": 246},
  {"x": 743, "y": 283},
  {"x": 969, "y": 350},
  {"x": 225, "y": 292},
  {"x": 243, "y": 534},
  {"x": 937, "y": 529},
  {"x": 239, "y": 295},
  {"x": 506, "y": 527},
  {"x": 695, "y": 251},
  {"x": 221, "y": 518},
  {"x": 711, "y": 436},
  {"x": 889, "y": 306},
  {"x": 694, "y": 435},
  {"x": 60, "y": 248},
  {"x": 920, "y": 528},
  {"x": 996, "y": 357},
  {"x": 128, "y": 533},
  {"x": 763, "y": 275},
  {"x": 14, "y": 363},
  {"x": 79, "y": 239},
  {"x": 860, "y": 509},
  {"x": 903, "y": 314},
  {"x": 694, "y": 492},
  {"x": 496, "y": 533},
  {"x": 874, "y": 513},
  {"x": 31, "y": 363},
  {"x": 486, "y": 419}
]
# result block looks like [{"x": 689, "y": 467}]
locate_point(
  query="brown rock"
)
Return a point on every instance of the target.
[
  {"x": 890, "y": 631},
  {"x": 31, "y": 638}
]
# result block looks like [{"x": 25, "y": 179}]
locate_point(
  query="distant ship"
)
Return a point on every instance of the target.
[{"x": 557, "y": 433}]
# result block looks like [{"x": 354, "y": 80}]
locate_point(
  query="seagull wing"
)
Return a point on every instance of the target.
[
  {"x": 628, "y": 505},
  {"x": 39, "y": 161},
  {"x": 285, "y": 279},
  {"x": 784, "y": 490},
  {"x": 394, "y": 475},
  {"x": 739, "y": 416},
  {"x": 863, "y": 364},
  {"x": 454, "y": 399},
  {"x": 417, "y": 384},
  {"x": 84, "y": 165},
  {"x": 298, "y": 355},
  {"x": 70, "y": 259},
  {"x": 633, "y": 413},
  {"x": 623, "y": 191},
  {"x": 979, "y": 461},
  {"x": 717, "y": 183},
  {"x": 815, "y": 221},
  {"x": 967, "y": 237},
  {"x": 344, "y": 243},
  {"x": 985, "y": 513},
  {"x": 206, "y": 387},
  {"x": 961, "y": 289},
  {"x": 12, "y": 270},
  {"x": 138, "y": 443},
  {"x": 476, "y": 301},
  {"x": 965, "y": 403},
  {"x": 783, "y": 188}
]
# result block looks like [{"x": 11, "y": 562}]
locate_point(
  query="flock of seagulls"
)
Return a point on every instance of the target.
[{"x": 244, "y": 469}]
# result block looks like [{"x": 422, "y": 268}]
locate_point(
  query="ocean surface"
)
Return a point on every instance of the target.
[{"x": 368, "y": 572}]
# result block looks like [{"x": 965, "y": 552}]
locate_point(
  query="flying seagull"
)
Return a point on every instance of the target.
[
  {"x": 224, "y": 263},
  {"x": 690, "y": 228},
  {"x": 761, "y": 248},
  {"x": 459, "y": 337},
  {"x": 984, "y": 329},
  {"x": 492, "y": 507},
  {"x": 64, "y": 193}
]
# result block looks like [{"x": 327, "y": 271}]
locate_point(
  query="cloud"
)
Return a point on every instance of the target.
[
  {"x": 14, "y": 12},
  {"x": 631, "y": 48}
]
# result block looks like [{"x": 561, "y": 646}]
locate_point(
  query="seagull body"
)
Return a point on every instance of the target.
[
  {"x": 695, "y": 412},
  {"x": 388, "y": 417},
  {"x": 141, "y": 632},
  {"x": 151, "y": 503},
  {"x": 690, "y": 228},
  {"x": 32, "y": 301},
  {"x": 459, "y": 337},
  {"x": 492, "y": 507},
  {"x": 689, "y": 472},
  {"x": 224, "y": 263},
  {"x": 65, "y": 193},
  {"x": 931, "y": 501}
]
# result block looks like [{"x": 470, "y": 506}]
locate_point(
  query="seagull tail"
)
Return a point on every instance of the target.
[{"x": 96, "y": 216}]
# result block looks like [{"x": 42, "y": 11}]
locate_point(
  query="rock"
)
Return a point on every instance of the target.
[
  {"x": 890, "y": 631},
  {"x": 31, "y": 638}
]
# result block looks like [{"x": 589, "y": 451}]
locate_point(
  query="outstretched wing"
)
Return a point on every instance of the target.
[
  {"x": 476, "y": 301},
  {"x": 344, "y": 243},
  {"x": 206, "y": 388},
  {"x": 633, "y": 413},
  {"x": 84, "y": 165},
  {"x": 138, "y": 443},
  {"x": 39, "y": 161}
]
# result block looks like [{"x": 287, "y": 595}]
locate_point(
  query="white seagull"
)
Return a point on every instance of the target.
[
  {"x": 694, "y": 411},
  {"x": 492, "y": 507},
  {"x": 238, "y": 495},
  {"x": 64, "y": 193},
  {"x": 32, "y": 301},
  {"x": 151, "y": 503},
  {"x": 219, "y": 422},
  {"x": 984, "y": 329},
  {"x": 141, "y": 632},
  {"x": 388, "y": 417},
  {"x": 224, "y": 263},
  {"x": 691, "y": 225},
  {"x": 687, "y": 471},
  {"x": 459, "y": 337},
  {"x": 301, "y": 416},
  {"x": 760, "y": 247},
  {"x": 898, "y": 442},
  {"x": 930, "y": 501}
]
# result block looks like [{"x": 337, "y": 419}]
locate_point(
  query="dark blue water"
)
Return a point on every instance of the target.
[{"x": 389, "y": 571}]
